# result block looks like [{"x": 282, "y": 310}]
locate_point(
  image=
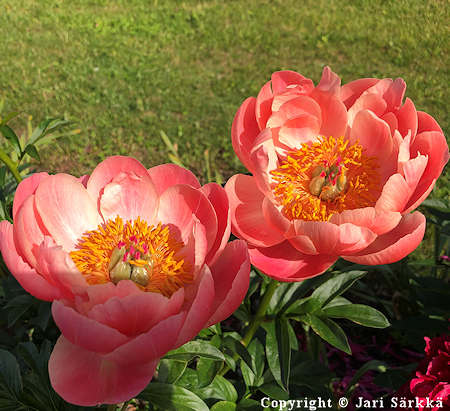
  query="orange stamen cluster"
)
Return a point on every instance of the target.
[
  {"x": 324, "y": 178},
  {"x": 149, "y": 247}
]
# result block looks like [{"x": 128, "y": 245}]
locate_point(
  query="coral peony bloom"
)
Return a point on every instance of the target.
[
  {"x": 136, "y": 263},
  {"x": 335, "y": 172}
]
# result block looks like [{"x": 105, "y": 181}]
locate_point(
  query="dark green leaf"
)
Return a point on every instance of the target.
[
  {"x": 239, "y": 348},
  {"x": 11, "y": 136},
  {"x": 171, "y": 370},
  {"x": 171, "y": 397},
  {"x": 278, "y": 351},
  {"x": 194, "y": 349},
  {"x": 32, "y": 152},
  {"x": 47, "y": 126},
  {"x": 335, "y": 286},
  {"x": 358, "y": 313},
  {"x": 224, "y": 406},
  {"x": 248, "y": 404},
  {"x": 207, "y": 370},
  {"x": 368, "y": 366},
  {"x": 9, "y": 116},
  {"x": 329, "y": 331},
  {"x": 220, "y": 389},
  {"x": 10, "y": 374},
  {"x": 274, "y": 391}
]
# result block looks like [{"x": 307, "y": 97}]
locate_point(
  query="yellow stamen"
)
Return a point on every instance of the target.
[
  {"x": 324, "y": 178},
  {"x": 147, "y": 255}
]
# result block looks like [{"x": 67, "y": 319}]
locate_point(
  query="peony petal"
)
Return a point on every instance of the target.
[
  {"x": 26, "y": 188},
  {"x": 247, "y": 216},
  {"x": 65, "y": 219},
  {"x": 231, "y": 274},
  {"x": 298, "y": 131},
  {"x": 168, "y": 175},
  {"x": 350, "y": 92},
  {"x": 274, "y": 217},
  {"x": 178, "y": 205},
  {"x": 394, "y": 93},
  {"x": 434, "y": 145},
  {"x": 334, "y": 114},
  {"x": 136, "y": 314},
  {"x": 218, "y": 198},
  {"x": 129, "y": 196},
  {"x": 29, "y": 231},
  {"x": 56, "y": 265},
  {"x": 85, "y": 332},
  {"x": 201, "y": 300},
  {"x": 376, "y": 220},
  {"x": 152, "y": 345},
  {"x": 395, "y": 194},
  {"x": 392, "y": 121},
  {"x": 372, "y": 102},
  {"x": 105, "y": 172},
  {"x": 331, "y": 239},
  {"x": 427, "y": 123},
  {"x": 244, "y": 130},
  {"x": 394, "y": 245},
  {"x": 282, "y": 79},
  {"x": 407, "y": 119},
  {"x": 28, "y": 278},
  {"x": 263, "y": 108},
  {"x": 330, "y": 82},
  {"x": 284, "y": 263},
  {"x": 84, "y": 180},
  {"x": 86, "y": 378}
]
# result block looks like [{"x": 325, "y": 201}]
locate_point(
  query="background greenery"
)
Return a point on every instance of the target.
[{"x": 127, "y": 69}]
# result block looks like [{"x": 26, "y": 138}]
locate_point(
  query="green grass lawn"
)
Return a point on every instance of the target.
[{"x": 126, "y": 69}]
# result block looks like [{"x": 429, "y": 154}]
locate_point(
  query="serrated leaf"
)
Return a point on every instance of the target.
[
  {"x": 172, "y": 397},
  {"x": 335, "y": 286},
  {"x": 359, "y": 314},
  {"x": 11, "y": 136},
  {"x": 329, "y": 331},
  {"x": 278, "y": 351},
  {"x": 194, "y": 349}
]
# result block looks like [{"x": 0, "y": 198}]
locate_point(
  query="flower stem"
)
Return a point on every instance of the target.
[
  {"x": 257, "y": 319},
  {"x": 11, "y": 166},
  {"x": 260, "y": 313}
]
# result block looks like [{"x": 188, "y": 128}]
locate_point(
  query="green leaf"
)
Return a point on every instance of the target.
[
  {"x": 194, "y": 349},
  {"x": 329, "y": 331},
  {"x": 224, "y": 406},
  {"x": 171, "y": 370},
  {"x": 237, "y": 347},
  {"x": 335, "y": 286},
  {"x": 31, "y": 150},
  {"x": 9, "y": 116},
  {"x": 274, "y": 391},
  {"x": 358, "y": 313},
  {"x": 368, "y": 366},
  {"x": 17, "y": 307},
  {"x": 45, "y": 127},
  {"x": 278, "y": 351},
  {"x": 171, "y": 397},
  {"x": 11, "y": 136},
  {"x": 220, "y": 389},
  {"x": 10, "y": 377},
  {"x": 247, "y": 404},
  {"x": 207, "y": 370}
]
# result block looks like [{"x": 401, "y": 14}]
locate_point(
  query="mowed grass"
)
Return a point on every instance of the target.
[{"x": 126, "y": 69}]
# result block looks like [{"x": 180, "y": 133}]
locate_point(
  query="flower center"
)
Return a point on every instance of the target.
[
  {"x": 324, "y": 178},
  {"x": 146, "y": 255}
]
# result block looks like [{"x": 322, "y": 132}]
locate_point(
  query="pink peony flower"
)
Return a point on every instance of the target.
[
  {"x": 335, "y": 173},
  {"x": 136, "y": 263}
]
